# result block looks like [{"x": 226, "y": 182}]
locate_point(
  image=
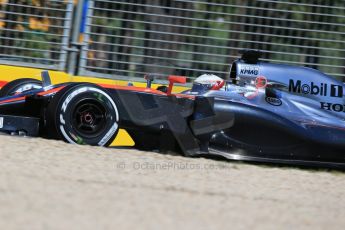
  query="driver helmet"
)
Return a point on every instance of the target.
[{"x": 206, "y": 82}]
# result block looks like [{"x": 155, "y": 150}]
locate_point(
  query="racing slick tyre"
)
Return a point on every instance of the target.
[
  {"x": 83, "y": 113},
  {"x": 19, "y": 86}
]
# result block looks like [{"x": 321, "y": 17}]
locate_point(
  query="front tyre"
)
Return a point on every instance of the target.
[{"x": 83, "y": 113}]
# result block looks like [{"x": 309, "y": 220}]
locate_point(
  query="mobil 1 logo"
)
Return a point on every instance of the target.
[{"x": 321, "y": 89}]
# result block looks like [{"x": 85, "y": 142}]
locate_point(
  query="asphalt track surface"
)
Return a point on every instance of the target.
[{"x": 52, "y": 185}]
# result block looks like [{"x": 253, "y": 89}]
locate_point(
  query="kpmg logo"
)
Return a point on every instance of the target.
[
  {"x": 322, "y": 89},
  {"x": 249, "y": 70}
]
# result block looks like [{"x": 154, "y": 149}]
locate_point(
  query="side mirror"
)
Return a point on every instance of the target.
[{"x": 175, "y": 79}]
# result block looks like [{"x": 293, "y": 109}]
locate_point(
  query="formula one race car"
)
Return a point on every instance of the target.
[
  {"x": 266, "y": 112},
  {"x": 86, "y": 113}
]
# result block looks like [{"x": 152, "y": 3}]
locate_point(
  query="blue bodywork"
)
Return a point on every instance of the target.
[{"x": 281, "y": 113}]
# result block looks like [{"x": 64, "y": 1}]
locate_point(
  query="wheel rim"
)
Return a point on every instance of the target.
[{"x": 89, "y": 118}]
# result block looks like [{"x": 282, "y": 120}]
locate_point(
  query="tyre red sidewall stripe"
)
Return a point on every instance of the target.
[{"x": 2, "y": 83}]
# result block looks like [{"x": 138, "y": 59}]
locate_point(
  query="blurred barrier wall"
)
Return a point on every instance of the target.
[
  {"x": 35, "y": 32},
  {"x": 129, "y": 38}
]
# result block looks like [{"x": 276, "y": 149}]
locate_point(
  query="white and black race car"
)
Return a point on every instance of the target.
[{"x": 264, "y": 112}]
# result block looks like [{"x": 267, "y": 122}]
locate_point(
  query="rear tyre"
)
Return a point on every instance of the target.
[
  {"x": 19, "y": 86},
  {"x": 83, "y": 113}
]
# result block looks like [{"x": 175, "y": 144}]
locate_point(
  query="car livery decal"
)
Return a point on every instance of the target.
[
  {"x": 332, "y": 107},
  {"x": 322, "y": 89},
  {"x": 273, "y": 101},
  {"x": 249, "y": 70},
  {"x": 19, "y": 98}
]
